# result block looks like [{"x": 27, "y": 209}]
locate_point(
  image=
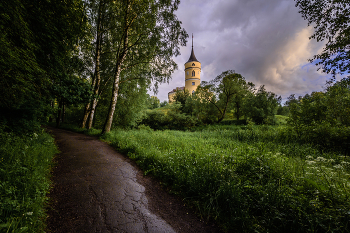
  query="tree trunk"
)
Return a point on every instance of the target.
[
  {"x": 86, "y": 115},
  {"x": 95, "y": 86},
  {"x": 224, "y": 112},
  {"x": 92, "y": 113},
  {"x": 108, "y": 124},
  {"x": 97, "y": 66}
]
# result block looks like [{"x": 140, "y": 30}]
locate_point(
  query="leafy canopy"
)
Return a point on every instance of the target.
[{"x": 331, "y": 20}]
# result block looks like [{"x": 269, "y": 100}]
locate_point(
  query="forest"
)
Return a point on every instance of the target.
[{"x": 232, "y": 150}]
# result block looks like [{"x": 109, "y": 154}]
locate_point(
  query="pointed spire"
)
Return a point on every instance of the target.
[
  {"x": 192, "y": 57},
  {"x": 192, "y": 40}
]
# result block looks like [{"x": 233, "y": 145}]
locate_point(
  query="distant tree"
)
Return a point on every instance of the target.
[
  {"x": 164, "y": 103},
  {"x": 181, "y": 97},
  {"x": 203, "y": 105},
  {"x": 338, "y": 102},
  {"x": 230, "y": 89},
  {"x": 282, "y": 110},
  {"x": 331, "y": 20},
  {"x": 153, "y": 102},
  {"x": 261, "y": 106},
  {"x": 322, "y": 118}
]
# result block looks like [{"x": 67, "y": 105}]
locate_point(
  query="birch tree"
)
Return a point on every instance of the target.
[{"x": 145, "y": 34}]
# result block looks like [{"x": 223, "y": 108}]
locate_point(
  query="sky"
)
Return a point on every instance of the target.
[{"x": 266, "y": 41}]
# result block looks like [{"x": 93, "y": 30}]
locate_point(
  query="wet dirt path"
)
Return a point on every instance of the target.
[{"x": 96, "y": 189}]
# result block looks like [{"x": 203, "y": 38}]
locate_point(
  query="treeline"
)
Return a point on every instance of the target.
[{"x": 228, "y": 93}]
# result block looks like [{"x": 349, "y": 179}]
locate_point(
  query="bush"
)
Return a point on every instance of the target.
[{"x": 172, "y": 119}]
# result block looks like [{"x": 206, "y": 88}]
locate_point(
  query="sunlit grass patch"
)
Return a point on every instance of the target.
[{"x": 248, "y": 178}]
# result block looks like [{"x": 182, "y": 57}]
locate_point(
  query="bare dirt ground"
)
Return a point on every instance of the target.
[{"x": 97, "y": 189}]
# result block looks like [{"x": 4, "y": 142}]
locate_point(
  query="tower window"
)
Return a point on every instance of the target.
[
  {"x": 193, "y": 83},
  {"x": 187, "y": 73},
  {"x": 193, "y": 73},
  {"x": 192, "y": 92},
  {"x": 193, "y": 64}
]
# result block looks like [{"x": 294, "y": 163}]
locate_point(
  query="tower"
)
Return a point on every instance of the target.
[
  {"x": 192, "y": 72},
  {"x": 192, "y": 76}
]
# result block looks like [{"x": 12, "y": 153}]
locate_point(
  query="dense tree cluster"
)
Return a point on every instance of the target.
[
  {"x": 105, "y": 54},
  {"x": 227, "y": 94},
  {"x": 323, "y": 117}
]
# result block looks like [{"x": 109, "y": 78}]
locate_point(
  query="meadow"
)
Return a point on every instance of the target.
[
  {"x": 25, "y": 165},
  {"x": 247, "y": 178}
]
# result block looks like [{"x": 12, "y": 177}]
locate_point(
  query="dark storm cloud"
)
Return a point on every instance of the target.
[{"x": 265, "y": 41}]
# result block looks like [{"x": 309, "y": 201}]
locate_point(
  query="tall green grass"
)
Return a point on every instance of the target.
[
  {"x": 247, "y": 178},
  {"x": 25, "y": 164}
]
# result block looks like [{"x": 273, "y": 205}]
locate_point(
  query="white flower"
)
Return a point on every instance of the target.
[
  {"x": 29, "y": 213},
  {"x": 321, "y": 159},
  {"x": 338, "y": 166},
  {"x": 310, "y": 162}
]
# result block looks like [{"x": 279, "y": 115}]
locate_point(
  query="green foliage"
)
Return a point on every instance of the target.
[
  {"x": 261, "y": 106},
  {"x": 39, "y": 41},
  {"x": 247, "y": 178},
  {"x": 132, "y": 101},
  {"x": 25, "y": 164},
  {"x": 201, "y": 108},
  {"x": 330, "y": 19},
  {"x": 163, "y": 104},
  {"x": 229, "y": 89},
  {"x": 180, "y": 97},
  {"x": 172, "y": 119},
  {"x": 322, "y": 118},
  {"x": 152, "y": 102},
  {"x": 281, "y": 119},
  {"x": 283, "y": 110}
]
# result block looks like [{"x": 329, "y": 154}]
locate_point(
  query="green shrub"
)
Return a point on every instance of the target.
[{"x": 159, "y": 120}]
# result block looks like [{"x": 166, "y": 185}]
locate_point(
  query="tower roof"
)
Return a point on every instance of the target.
[{"x": 192, "y": 57}]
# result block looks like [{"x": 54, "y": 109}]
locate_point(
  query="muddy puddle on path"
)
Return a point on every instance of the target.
[{"x": 96, "y": 189}]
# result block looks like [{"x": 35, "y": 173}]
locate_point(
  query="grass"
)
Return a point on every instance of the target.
[
  {"x": 25, "y": 164},
  {"x": 247, "y": 178}
]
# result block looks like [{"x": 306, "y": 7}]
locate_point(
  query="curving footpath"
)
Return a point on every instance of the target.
[{"x": 96, "y": 189}]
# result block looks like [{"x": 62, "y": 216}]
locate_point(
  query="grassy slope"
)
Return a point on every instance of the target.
[
  {"x": 248, "y": 178},
  {"x": 25, "y": 164}
]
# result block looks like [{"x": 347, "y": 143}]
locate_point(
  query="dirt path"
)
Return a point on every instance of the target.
[{"x": 96, "y": 189}]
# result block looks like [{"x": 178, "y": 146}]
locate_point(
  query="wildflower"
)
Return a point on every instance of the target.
[
  {"x": 321, "y": 159},
  {"x": 29, "y": 213},
  {"x": 310, "y": 162},
  {"x": 309, "y": 157},
  {"x": 338, "y": 166}
]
